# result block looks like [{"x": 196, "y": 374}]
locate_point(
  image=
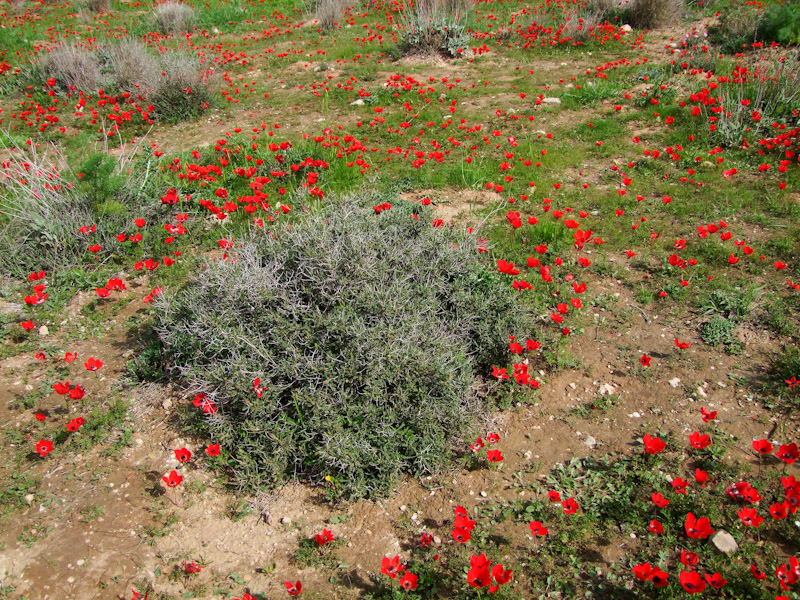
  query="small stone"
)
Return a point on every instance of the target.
[
  {"x": 166, "y": 404},
  {"x": 44, "y": 331},
  {"x": 590, "y": 441},
  {"x": 484, "y": 494},
  {"x": 437, "y": 540},
  {"x": 286, "y": 521},
  {"x": 29, "y": 499},
  {"x": 358, "y": 102},
  {"x": 552, "y": 100},
  {"x": 606, "y": 389},
  {"x": 403, "y": 508},
  {"x": 674, "y": 382},
  {"x": 701, "y": 392},
  {"x": 724, "y": 542},
  {"x": 635, "y": 415},
  {"x": 626, "y": 28}
]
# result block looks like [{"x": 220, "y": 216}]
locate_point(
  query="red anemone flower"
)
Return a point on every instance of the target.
[
  {"x": 324, "y": 537},
  {"x": 293, "y": 589},
  {"x": 692, "y": 582},
  {"x": 392, "y": 566}
]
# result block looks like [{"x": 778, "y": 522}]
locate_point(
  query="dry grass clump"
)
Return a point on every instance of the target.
[
  {"x": 98, "y": 5},
  {"x": 435, "y": 26},
  {"x": 650, "y": 14},
  {"x": 136, "y": 71},
  {"x": 173, "y": 82},
  {"x": 174, "y": 17},
  {"x": 328, "y": 12},
  {"x": 73, "y": 66}
]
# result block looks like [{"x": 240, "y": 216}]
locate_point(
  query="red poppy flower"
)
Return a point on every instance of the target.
[
  {"x": 749, "y": 517},
  {"x": 699, "y": 440},
  {"x": 653, "y": 445},
  {"x": 716, "y": 581},
  {"x": 324, "y": 537},
  {"x": 75, "y": 424},
  {"x": 700, "y": 476},
  {"x": 392, "y": 566},
  {"x": 659, "y": 577},
  {"x": 554, "y": 496},
  {"x": 40, "y": 356},
  {"x": 93, "y": 364},
  {"x": 692, "y": 582},
  {"x": 570, "y": 506},
  {"x": 707, "y": 416},
  {"x": 70, "y": 356},
  {"x": 697, "y": 529},
  {"x": 173, "y": 479},
  {"x": 77, "y": 392},
  {"x": 27, "y": 325},
  {"x": 408, "y": 581},
  {"x": 293, "y": 589},
  {"x": 492, "y": 438},
  {"x": 645, "y": 360},
  {"x": 656, "y": 527},
  {"x": 213, "y": 450},
  {"x": 183, "y": 455},
  {"x": 643, "y": 571},
  {"x": 762, "y": 446},
  {"x": 477, "y": 445},
  {"x": 44, "y": 447},
  {"x": 788, "y": 453},
  {"x": 659, "y": 500},
  {"x": 537, "y": 529},
  {"x": 494, "y": 456},
  {"x": 779, "y": 511},
  {"x": 501, "y": 575},
  {"x": 689, "y": 559},
  {"x": 61, "y": 388},
  {"x": 759, "y": 575},
  {"x": 192, "y": 567},
  {"x": 479, "y": 577},
  {"x": 788, "y": 574},
  {"x": 682, "y": 346}
]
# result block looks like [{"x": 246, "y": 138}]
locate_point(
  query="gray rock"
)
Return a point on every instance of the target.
[
  {"x": 591, "y": 442},
  {"x": 551, "y": 100},
  {"x": 724, "y": 542}
]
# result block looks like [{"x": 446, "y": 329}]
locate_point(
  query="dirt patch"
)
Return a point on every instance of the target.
[{"x": 454, "y": 205}]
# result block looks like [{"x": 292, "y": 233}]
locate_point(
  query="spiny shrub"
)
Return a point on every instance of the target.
[
  {"x": 434, "y": 26},
  {"x": 174, "y": 17},
  {"x": 343, "y": 348}
]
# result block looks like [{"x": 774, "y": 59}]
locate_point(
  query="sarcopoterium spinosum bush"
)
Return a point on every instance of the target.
[{"x": 343, "y": 348}]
